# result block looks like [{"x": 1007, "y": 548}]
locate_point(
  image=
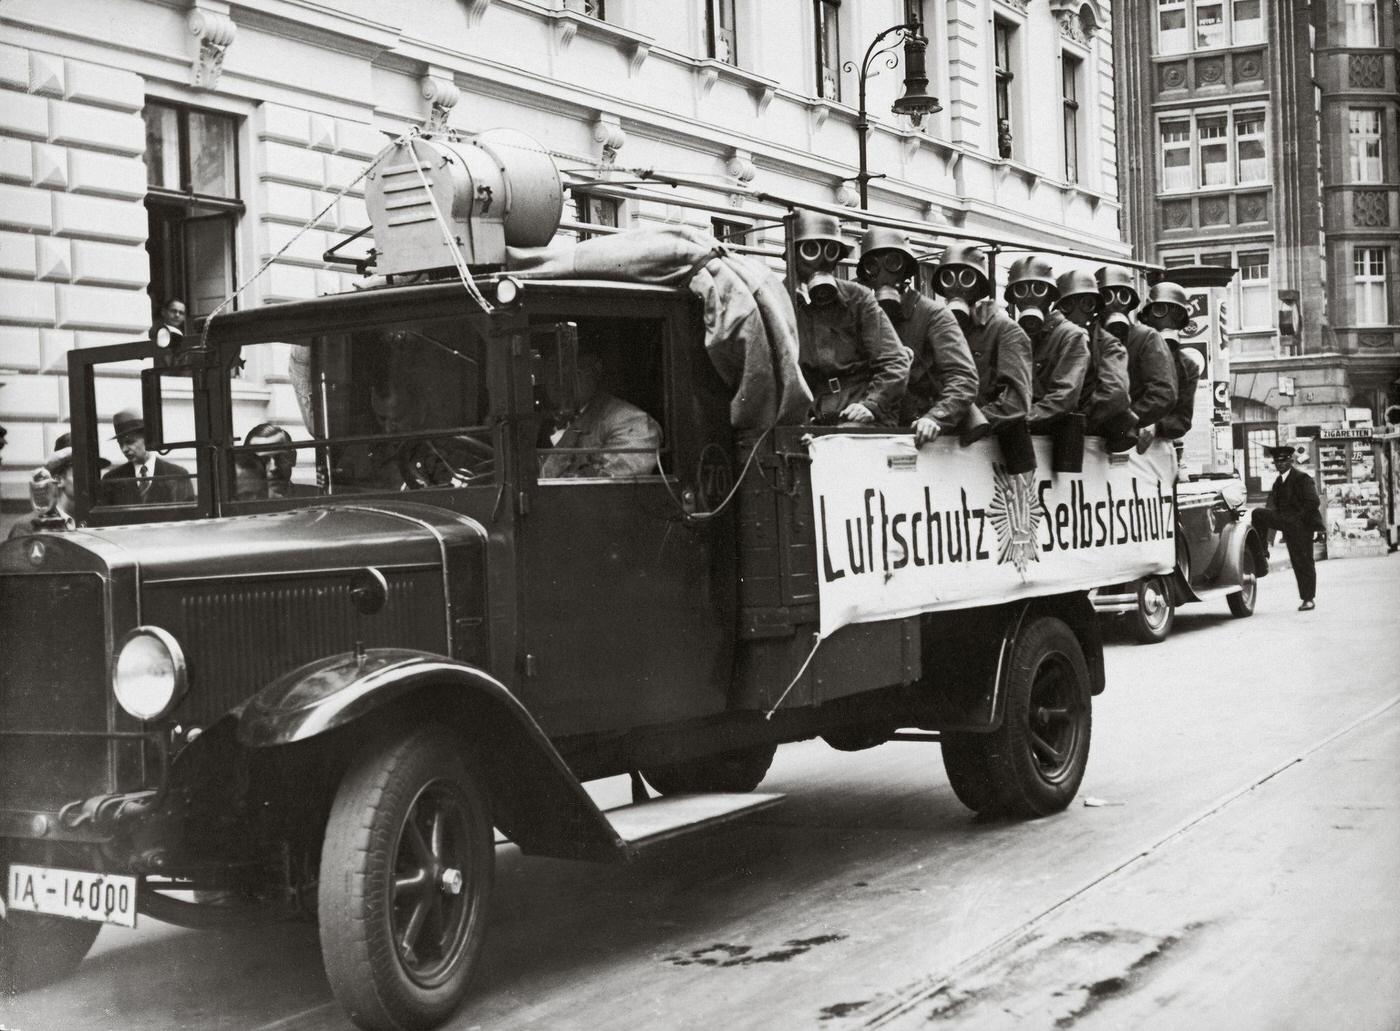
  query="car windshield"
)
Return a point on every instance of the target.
[{"x": 393, "y": 407}]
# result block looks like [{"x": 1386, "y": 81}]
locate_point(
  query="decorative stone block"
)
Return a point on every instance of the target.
[
  {"x": 14, "y": 67},
  {"x": 319, "y": 201},
  {"x": 340, "y": 171},
  {"x": 287, "y": 203},
  {"x": 286, "y": 164},
  {"x": 306, "y": 248},
  {"x": 1210, "y": 71},
  {"x": 1252, "y": 207},
  {"x": 110, "y": 264},
  {"x": 104, "y": 308},
  {"x": 95, "y": 128},
  {"x": 99, "y": 218},
  {"x": 45, "y": 74},
  {"x": 1370, "y": 209},
  {"x": 26, "y": 304},
  {"x": 54, "y": 345},
  {"x": 1176, "y": 214},
  {"x": 285, "y": 282},
  {"x": 54, "y": 258},
  {"x": 20, "y": 346},
  {"x": 23, "y": 115},
  {"x": 25, "y": 208},
  {"x": 103, "y": 87},
  {"x": 17, "y": 255},
  {"x": 50, "y": 167},
  {"x": 1366, "y": 71},
  {"x": 322, "y": 132},
  {"x": 353, "y": 214},
  {"x": 1249, "y": 67},
  {"x": 1373, "y": 341},
  {"x": 1215, "y": 211},
  {"x": 16, "y": 161},
  {"x": 109, "y": 174},
  {"x": 356, "y": 139},
  {"x": 1172, "y": 75},
  {"x": 285, "y": 124}
]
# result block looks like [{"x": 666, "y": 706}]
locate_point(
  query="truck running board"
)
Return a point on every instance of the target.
[{"x": 648, "y": 823}]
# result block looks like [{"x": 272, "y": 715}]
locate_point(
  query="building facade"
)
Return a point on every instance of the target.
[
  {"x": 155, "y": 149},
  {"x": 1263, "y": 135}
]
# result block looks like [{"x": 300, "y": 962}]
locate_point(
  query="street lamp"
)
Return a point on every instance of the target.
[{"x": 916, "y": 101}]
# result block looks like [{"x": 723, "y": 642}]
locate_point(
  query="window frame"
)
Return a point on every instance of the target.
[
  {"x": 1357, "y": 159},
  {"x": 715, "y": 31},
  {"x": 1071, "y": 67},
  {"x": 1003, "y": 61},
  {"x": 1351, "y": 9},
  {"x": 584, "y": 210},
  {"x": 1263, "y": 286},
  {"x": 1195, "y": 144},
  {"x": 1188, "y": 41},
  {"x": 1370, "y": 289},
  {"x": 824, "y": 42}
]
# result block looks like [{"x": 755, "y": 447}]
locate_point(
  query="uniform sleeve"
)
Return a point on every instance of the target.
[
  {"x": 1175, "y": 424},
  {"x": 1312, "y": 513},
  {"x": 1152, "y": 379},
  {"x": 1110, "y": 394},
  {"x": 1069, "y": 357},
  {"x": 888, "y": 359},
  {"x": 630, "y": 429},
  {"x": 957, "y": 373},
  {"x": 1010, "y": 395}
]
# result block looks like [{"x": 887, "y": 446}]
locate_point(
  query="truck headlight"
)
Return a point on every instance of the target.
[{"x": 148, "y": 673}]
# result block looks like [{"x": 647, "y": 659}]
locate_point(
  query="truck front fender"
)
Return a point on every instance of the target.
[
  {"x": 1239, "y": 536},
  {"x": 537, "y": 802}
]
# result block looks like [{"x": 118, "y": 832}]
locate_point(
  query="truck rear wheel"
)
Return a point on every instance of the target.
[
  {"x": 1155, "y": 614},
  {"x": 1033, "y": 763},
  {"x": 1242, "y": 601},
  {"x": 740, "y": 770},
  {"x": 36, "y": 950},
  {"x": 406, "y": 872}
]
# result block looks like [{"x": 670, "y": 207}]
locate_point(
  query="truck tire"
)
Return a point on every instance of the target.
[
  {"x": 1155, "y": 614},
  {"x": 36, "y": 950},
  {"x": 1242, "y": 601},
  {"x": 1033, "y": 763},
  {"x": 740, "y": 770},
  {"x": 406, "y": 873}
]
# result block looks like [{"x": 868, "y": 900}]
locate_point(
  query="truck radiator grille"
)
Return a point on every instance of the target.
[
  {"x": 53, "y": 677},
  {"x": 239, "y": 637}
]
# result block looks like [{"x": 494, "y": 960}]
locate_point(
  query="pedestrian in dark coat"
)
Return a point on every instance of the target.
[
  {"x": 143, "y": 479},
  {"x": 1294, "y": 510}
]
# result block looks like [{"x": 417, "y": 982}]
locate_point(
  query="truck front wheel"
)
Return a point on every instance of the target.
[
  {"x": 1155, "y": 614},
  {"x": 406, "y": 872},
  {"x": 36, "y": 950},
  {"x": 1033, "y": 763}
]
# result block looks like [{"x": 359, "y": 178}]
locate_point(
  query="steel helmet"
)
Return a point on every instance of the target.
[
  {"x": 1032, "y": 269},
  {"x": 878, "y": 239},
  {"x": 814, "y": 225},
  {"x": 1076, "y": 282},
  {"x": 1113, "y": 280},
  {"x": 963, "y": 270},
  {"x": 1169, "y": 293}
]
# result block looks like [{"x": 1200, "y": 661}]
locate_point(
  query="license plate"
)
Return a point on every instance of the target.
[{"x": 78, "y": 894}]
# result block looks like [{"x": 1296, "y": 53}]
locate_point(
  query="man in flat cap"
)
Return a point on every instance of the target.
[
  {"x": 143, "y": 479},
  {"x": 1294, "y": 510}
]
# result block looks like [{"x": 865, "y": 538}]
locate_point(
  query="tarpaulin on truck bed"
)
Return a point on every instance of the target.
[{"x": 750, "y": 327}]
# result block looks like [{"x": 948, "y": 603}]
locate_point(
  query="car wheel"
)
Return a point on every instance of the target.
[
  {"x": 1031, "y": 765},
  {"x": 36, "y": 950},
  {"x": 1155, "y": 614},
  {"x": 739, "y": 770},
  {"x": 1242, "y": 601},
  {"x": 406, "y": 872}
]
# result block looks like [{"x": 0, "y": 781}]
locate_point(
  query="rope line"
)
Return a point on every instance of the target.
[{"x": 816, "y": 643}]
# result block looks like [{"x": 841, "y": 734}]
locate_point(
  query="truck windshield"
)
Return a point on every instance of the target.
[{"x": 393, "y": 407}]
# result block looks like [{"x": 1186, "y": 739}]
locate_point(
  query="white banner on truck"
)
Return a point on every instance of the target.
[{"x": 902, "y": 530}]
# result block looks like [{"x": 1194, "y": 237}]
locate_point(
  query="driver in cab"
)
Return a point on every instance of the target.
[{"x": 604, "y": 437}]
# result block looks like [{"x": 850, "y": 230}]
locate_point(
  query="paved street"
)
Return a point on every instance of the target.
[{"x": 1233, "y": 860}]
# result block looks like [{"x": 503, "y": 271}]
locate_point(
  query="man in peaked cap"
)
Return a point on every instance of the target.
[
  {"x": 942, "y": 376},
  {"x": 849, "y": 353},
  {"x": 143, "y": 479},
  {"x": 1294, "y": 509}
]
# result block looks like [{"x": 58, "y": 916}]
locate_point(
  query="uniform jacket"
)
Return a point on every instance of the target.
[
  {"x": 1151, "y": 374},
  {"x": 606, "y": 422},
  {"x": 1177, "y": 421},
  {"x": 1060, "y": 354},
  {"x": 1105, "y": 392},
  {"x": 1002, "y": 353},
  {"x": 850, "y": 346},
  {"x": 170, "y": 484},
  {"x": 942, "y": 375},
  {"x": 1295, "y": 500}
]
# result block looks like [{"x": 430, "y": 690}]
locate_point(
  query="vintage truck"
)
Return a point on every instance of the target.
[{"x": 240, "y": 706}]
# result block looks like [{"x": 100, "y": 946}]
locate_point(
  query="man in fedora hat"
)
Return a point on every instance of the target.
[
  {"x": 143, "y": 479},
  {"x": 1294, "y": 510}
]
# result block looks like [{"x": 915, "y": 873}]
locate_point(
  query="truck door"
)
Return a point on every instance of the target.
[{"x": 627, "y": 607}]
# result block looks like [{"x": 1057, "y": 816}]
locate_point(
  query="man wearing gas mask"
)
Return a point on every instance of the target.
[
  {"x": 1168, "y": 311},
  {"x": 1103, "y": 399},
  {"x": 1001, "y": 353},
  {"x": 942, "y": 376},
  {"x": 850, "y": 356},
  {"x": 1151, "y": 372},
  {"x": 1059, "y": 348}
]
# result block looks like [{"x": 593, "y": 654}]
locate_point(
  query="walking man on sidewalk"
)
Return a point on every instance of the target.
[{"x": 1293, "y": 509}]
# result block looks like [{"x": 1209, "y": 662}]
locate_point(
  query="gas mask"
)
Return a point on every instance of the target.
[
  {"x": 961, "y": 286},
  {"x": 816, "y": 265},
  {"x": 1167, "y": 319},
  {"x": 1116, "y": 304},
  {"x": 885, "y": 272},
  {"x": 1030, "y": 302}
]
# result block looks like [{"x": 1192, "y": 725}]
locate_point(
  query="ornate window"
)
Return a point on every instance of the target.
[
  {"x": 721, "y": 37},
  {"x": 192, "y": 205},
  {"x": 1003, "y": 47},
  {"x": 828, "y": 48},
  {"x": 1362, "y": 30},
  {"x": 1364, "y": 145},
  {"x": 1069, "y": 94},
  {"x": 1368, "y": 277}
]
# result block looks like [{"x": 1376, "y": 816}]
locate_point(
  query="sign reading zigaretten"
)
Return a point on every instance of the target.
[{"x": 903, "y": 530}]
